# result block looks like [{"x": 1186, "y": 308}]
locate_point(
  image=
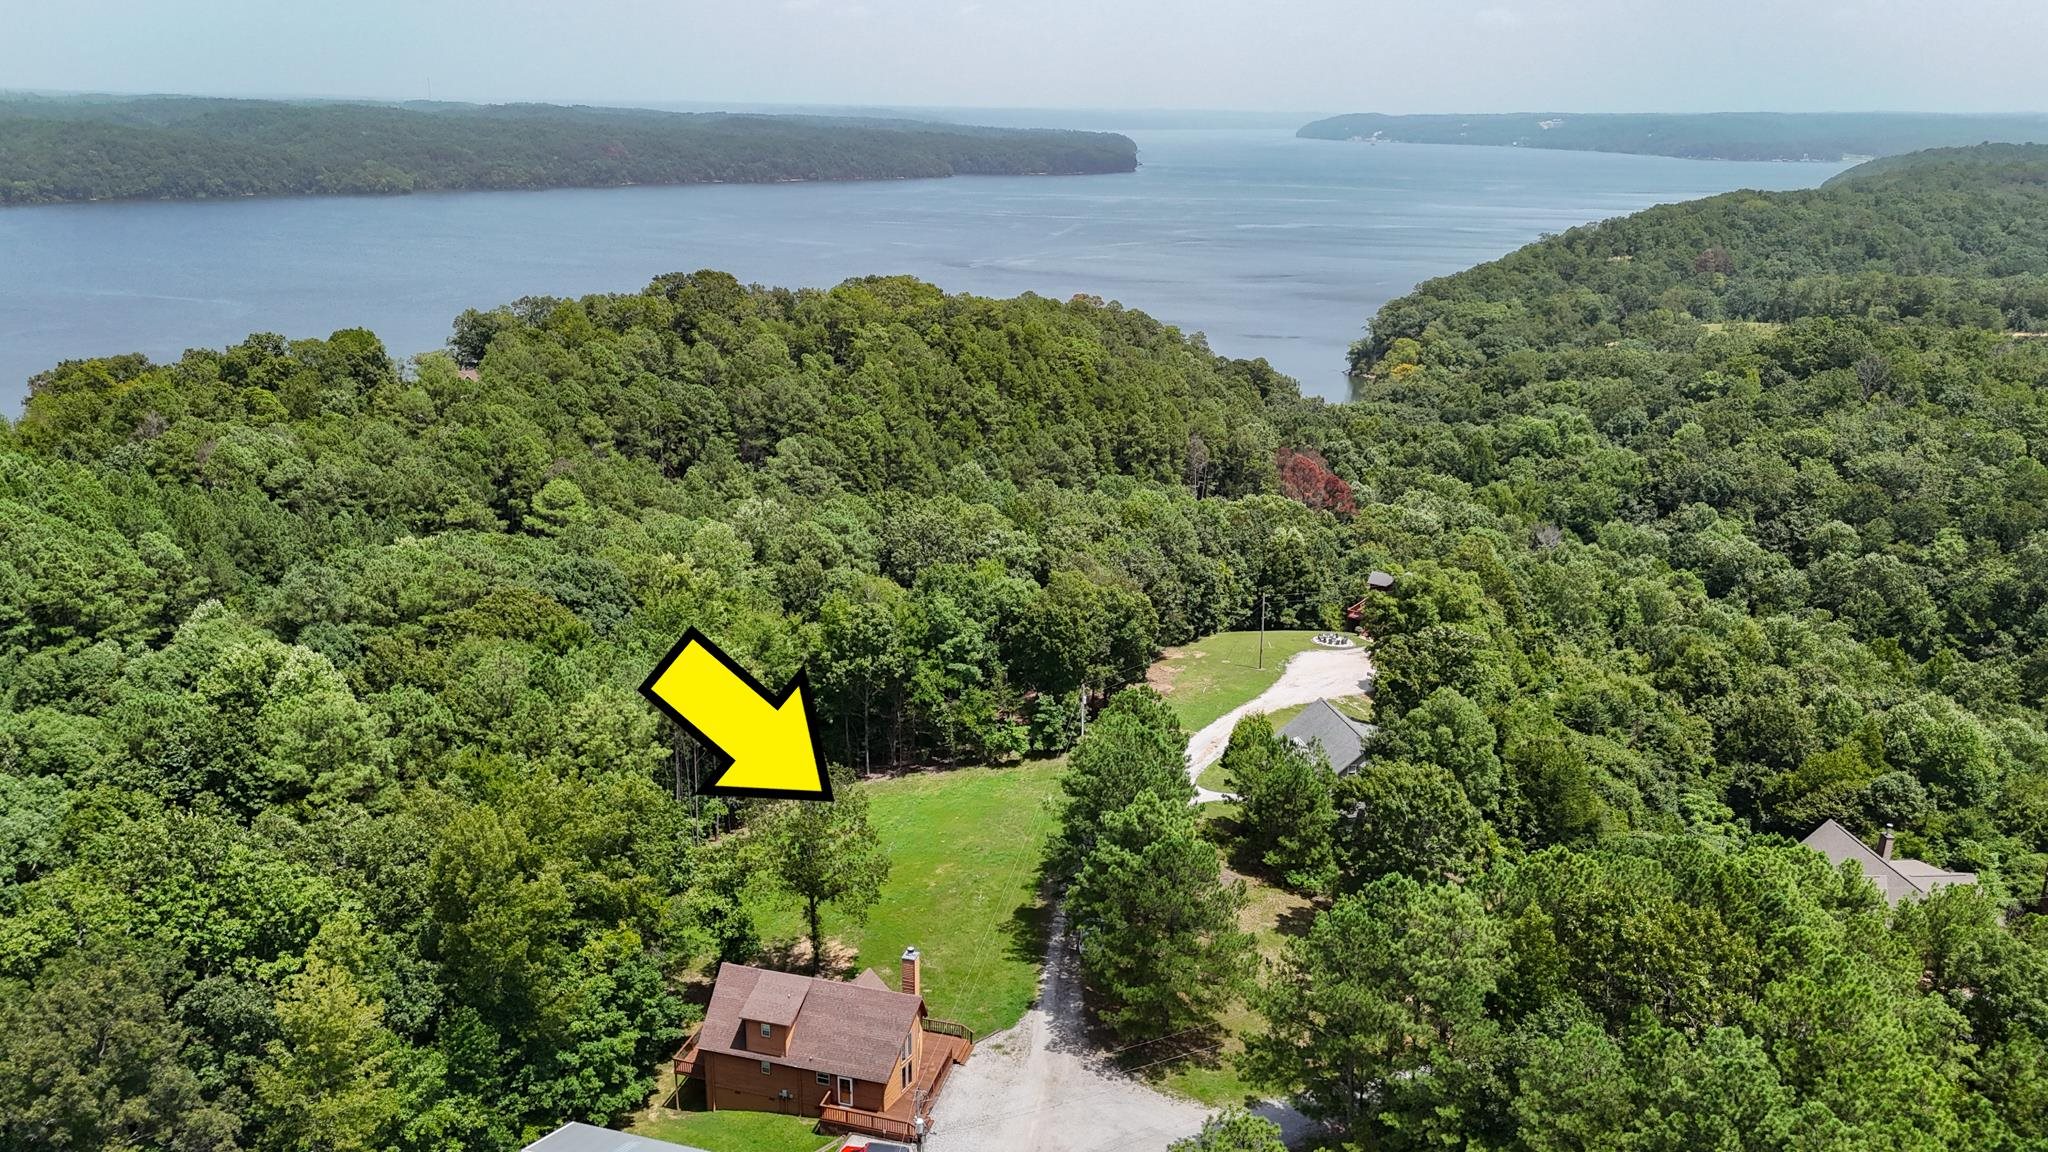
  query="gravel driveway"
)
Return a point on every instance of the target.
[
  {"x": 1042, "y": 1086},
  {"x": 1311, "y": 675}
]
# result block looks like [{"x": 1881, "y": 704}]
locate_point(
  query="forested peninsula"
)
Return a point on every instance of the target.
[
  {"x": 1831, "y": 136},
  {"x": 54, "y": 150},
  {"x": 332, "y": 818}
]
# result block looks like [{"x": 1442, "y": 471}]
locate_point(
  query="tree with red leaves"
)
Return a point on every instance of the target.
[{"x": 1306, "y": 476}]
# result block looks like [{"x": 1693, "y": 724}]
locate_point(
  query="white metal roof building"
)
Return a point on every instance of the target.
[{"x": 576, "y": 1137}]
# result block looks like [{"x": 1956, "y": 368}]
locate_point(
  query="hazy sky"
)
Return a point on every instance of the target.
[{"x": 1309, "y": 55}]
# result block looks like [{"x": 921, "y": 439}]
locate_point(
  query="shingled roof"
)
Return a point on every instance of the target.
[
  {"x": 847, "y": 1029},
  {"x": 1897, "y": 878},
  {"x": 1341, "y": 738}
]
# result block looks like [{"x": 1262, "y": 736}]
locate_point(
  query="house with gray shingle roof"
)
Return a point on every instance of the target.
[
  {"x": 1898, "y": 878},
  {"x": 1340, "y": 739}
]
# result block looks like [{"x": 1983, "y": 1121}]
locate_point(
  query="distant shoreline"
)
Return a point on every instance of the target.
[
  {"x": 1795, "y": 137},
  {"x": 792, "y": 181},
  {"x": 77, "y": 151},
  {"x": 1599, "y": 151}
]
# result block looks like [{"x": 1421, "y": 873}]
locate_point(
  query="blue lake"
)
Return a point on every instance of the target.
[{"x": 1272, "y": 246}]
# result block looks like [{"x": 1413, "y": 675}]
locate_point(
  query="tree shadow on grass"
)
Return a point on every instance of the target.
[
  {"x": 1154, "y": 1060},
  {"x": 793, "y": 954},
  {"x": 1029, "y": 927},
  {"x": 1296, "y": 921}
]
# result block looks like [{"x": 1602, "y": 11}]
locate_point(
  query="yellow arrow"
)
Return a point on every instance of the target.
[{"x": 767, "y": 743}]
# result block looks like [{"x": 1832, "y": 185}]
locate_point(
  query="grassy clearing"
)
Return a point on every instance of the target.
[
  {"x": 1205, "y": 679},
  {"x": 1271, "y": 915},
  {"x": 965, "y": 848},
  {"x": 731, "y": 1131}
]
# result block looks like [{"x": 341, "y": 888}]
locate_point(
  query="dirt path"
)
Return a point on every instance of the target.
[{"x": 1311, "y": 675}]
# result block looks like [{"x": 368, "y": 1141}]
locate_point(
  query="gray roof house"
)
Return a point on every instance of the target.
[
  {"x": 579, "y": 1137},
  {"x": 1898, "y": 878},
  {"x": 1341, "y": 739}
]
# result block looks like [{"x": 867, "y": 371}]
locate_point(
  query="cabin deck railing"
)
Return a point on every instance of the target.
[
  {"x": 833, "y": 1114},
  {"x": 949, "y": 1028}
]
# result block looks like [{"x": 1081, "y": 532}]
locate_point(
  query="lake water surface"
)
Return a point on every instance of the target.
[{"x": 1273, "y": 246}]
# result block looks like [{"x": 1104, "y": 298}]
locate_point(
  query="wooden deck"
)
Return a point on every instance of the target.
[
  {"x": 686, "y": 1056},
  {"x": 941, "y": 1052}
]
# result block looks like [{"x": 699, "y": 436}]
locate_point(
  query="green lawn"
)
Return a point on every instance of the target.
[
  {"x": 1205, "y": 679},
  {"x": 731, "y": 1131},
  {"x": 964, "y": 848}
]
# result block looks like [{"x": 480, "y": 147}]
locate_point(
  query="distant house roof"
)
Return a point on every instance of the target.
[
  {"x": 1897, "y": 878},
  {"x": 1379, "y": 581},
  {"x": 578, "y": 1137},
  {"x": 845, "y": 1028},
  {"x": 1341, "y": 739}
]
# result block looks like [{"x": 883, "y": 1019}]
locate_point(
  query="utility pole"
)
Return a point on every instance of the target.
[{"x": 1262, "y": 629}]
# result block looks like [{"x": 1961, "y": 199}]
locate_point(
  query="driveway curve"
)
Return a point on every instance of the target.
[{"x": 1311, "y": 675}]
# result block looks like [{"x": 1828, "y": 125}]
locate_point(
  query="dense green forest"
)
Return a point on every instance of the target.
[
  {"x": 182, "y": 148},
  {"x": 332, "y": 816},
  {"x": 330, "y": 819},
  {"x": 1696, "y": 136},
  {"x": 1710, "y": 523}
]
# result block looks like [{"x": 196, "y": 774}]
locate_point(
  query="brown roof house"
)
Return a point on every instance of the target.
[
  {"x": 858, "y": 1055},
  {"x": 1897, "y": 877}
]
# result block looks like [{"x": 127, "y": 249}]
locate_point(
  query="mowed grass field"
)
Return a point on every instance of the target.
[
  {"x": 739, "y": 1132},
  {"x": 964, "y": 849},
  {"x": 1205, "y": 679}
]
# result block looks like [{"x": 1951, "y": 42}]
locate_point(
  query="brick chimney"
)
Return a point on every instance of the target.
[
  {"x": 1885, "y": 841},
  {"x": 912, "y": 980}
]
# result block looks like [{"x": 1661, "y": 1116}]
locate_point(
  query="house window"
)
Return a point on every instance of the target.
[
  {"x": 906, "y": 1073},
  {"x": 766, "y": 1067},
  {"x": 825, "y": 1078},
  {"x": 767, "y": 1029}
]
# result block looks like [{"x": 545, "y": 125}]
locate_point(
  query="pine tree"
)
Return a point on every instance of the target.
[
  {"x": 1160, "y": 944},
  {"x": 1288, "y": 813}
]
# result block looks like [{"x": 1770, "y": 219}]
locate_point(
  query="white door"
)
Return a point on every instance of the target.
[{"x": 846, "y": 1091}]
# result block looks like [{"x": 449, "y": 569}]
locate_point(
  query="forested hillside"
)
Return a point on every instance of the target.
[
  {"x": 1695, "y": 136},
  {"x": 1710, "y": 524},
  {"x": 332, "y": 817},
  {"x": 182, "y": 148}
]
